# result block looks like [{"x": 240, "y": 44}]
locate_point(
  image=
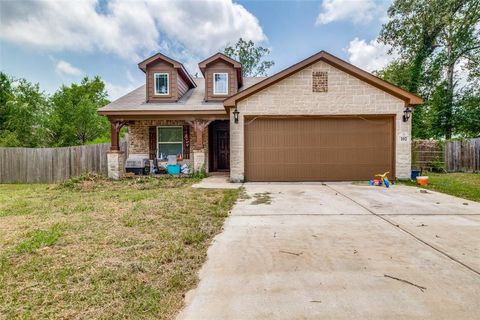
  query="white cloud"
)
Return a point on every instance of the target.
[
  {"x": 206, "y": 26},
  {"x": 369, "y": 56},
  {"x": 116, "y": 91},
  {"x": 358, "y": 11},
  {"x": 65, "y": 69},
  {"x": 129, "y": 29}
]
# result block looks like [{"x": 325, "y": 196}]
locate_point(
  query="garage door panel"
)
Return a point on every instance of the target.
[{"x": 318, "y": 149}]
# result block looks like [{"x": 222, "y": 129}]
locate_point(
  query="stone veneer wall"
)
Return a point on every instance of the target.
[
  {"x": 346, "y": 95},
  {"x": 138, "y": 144}
]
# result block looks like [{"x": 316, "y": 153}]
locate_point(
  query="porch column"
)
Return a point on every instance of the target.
[
  {"x": 115, "y": 157},
  {"x": 199, "y": 126},
  {"x": 115, "y": 135}
]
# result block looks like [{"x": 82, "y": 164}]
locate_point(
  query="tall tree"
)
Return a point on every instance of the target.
[
  {"x": 22, "y": 113},
  {"x": 5, "y": 95},
  {"x": 433, "y": 38},
  {"x": 74, "y": 118},
  {"x": 251, "y": 57}
]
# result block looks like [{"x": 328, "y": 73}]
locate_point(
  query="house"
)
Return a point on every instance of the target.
[{"x": 321, "y": 119}]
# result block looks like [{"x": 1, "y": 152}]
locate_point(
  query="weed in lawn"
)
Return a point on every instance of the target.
[
  {"x": 40, "y": 238},
  {"x": 243, "y": 194},
  {"x": 194, "y": 237}
]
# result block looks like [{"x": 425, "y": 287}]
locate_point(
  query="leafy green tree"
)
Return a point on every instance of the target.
[
  {"x": 468, "y": 117},
  {"x": 23, "y": 108},
  {"x": 400, "y": 73},
  {"x": 433, "y": 38},
  {"x": 251, "y": 57},
  {"x": 5, "y": 95},
  {"x": 74, "y": 119}
]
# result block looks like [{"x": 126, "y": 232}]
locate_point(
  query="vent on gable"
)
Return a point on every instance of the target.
[{"x": 320, "y": 81}]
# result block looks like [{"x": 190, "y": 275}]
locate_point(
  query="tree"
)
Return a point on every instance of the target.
[
  {"x": 5, "y": 95},
  {"x": 468, "y": 118},
  {"x": 433, "y": 38},
  {"x": 22, "y": 113},
  {"x": 251, "y": 57},
  {"x": 74, "y": 119}
]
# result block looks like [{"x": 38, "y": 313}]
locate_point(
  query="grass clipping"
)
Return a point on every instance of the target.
[{"x": 92, "y": 248}]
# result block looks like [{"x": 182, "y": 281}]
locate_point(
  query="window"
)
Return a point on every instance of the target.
[
  {"x": 161, "y": 84},
  {"x": 220, "y": 83},
  {"x": 170, "y": 141}
]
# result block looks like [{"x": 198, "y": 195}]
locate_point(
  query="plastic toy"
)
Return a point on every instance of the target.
[{"x": 384, "y": 179}]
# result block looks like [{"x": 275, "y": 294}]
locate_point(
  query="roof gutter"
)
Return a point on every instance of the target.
[{"x": 159, "y": 112}]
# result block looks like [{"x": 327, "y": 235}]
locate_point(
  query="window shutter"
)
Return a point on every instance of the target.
[
  {"x": 186, "y": 142},
  {"x": 152, "y": 142}
]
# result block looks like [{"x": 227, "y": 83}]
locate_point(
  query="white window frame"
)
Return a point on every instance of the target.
[
  {"x": 215, "y": 87},
  {"x": 155, "y": 83},
  {"x": 174, "y": 142}
]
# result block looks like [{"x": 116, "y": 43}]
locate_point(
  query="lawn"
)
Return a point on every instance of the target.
[
  {"x": 96, "y": 249},
  {"x": 463, "y": 185}
]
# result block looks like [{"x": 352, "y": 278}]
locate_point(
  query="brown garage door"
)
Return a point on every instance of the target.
[{"x": 318, "y": 149}]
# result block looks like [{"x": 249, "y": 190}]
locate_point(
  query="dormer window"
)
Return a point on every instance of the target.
[
  {"x": 220, "y": 83},
  {"x": 161, "y": 84}
]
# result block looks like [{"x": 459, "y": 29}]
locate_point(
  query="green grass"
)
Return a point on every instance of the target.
[
  {"x": 91, "y": 248},
  {"x": 463, "y": 185},
  {"x": 40, "y": 238}
]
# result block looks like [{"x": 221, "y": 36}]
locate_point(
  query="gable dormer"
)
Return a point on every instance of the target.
[
  {"x": 223, "y": 76},
  {"x": 167, "y": 80}
]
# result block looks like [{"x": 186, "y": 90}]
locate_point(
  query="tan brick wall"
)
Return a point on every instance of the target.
[
  {"x": 346, "y": 95},
  {"x": 138, "y": 139}
]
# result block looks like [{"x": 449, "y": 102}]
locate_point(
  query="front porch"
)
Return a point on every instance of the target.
[{"x": 202, "y": 144}]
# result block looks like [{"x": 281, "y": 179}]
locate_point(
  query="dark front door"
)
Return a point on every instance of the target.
[
  {"x": 220, "y": 146},
  {"x": 223, "y": 150}
]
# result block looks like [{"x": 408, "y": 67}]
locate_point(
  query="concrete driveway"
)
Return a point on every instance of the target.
[{"x": 342, "y": 251}]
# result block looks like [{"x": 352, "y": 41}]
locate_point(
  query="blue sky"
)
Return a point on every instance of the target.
[{"x": 57, "y": 41}]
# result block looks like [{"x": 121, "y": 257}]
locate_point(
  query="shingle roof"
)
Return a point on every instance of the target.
[{"x": 193, "y": 100}]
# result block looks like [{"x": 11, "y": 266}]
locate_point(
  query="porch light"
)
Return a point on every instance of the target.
[
  {"x": 406, "y": 114},
  {"x": 235, "y": 115}
]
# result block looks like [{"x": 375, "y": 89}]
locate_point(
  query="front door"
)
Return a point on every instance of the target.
[
  {"x": 220, "y": 146},
  {"x": 223, "y": 150}
]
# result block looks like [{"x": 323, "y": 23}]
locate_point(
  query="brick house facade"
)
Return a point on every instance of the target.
[{"x": 356, "y": 124}]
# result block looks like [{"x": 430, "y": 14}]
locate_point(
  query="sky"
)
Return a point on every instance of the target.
[{"x": 55, "y": 42}]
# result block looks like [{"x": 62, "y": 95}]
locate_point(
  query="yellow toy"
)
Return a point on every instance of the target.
[{"x": 384, "y": 178}]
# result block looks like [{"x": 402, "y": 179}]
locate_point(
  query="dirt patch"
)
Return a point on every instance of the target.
[{"x": 262, "y": 198}]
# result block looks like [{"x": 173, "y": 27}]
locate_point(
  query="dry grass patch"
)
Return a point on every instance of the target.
[{"x": 92, "y": 248}]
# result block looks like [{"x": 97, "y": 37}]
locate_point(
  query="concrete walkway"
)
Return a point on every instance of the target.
[
  {"x": 218, "y": 181},
  {"x": 342, "y": 251}
]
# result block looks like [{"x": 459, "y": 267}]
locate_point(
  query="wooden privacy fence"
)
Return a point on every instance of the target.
[
  {"x": 450, "y": 156},
  {"x": 46, "y": 165},
  {"x": 462, "y": 156}
]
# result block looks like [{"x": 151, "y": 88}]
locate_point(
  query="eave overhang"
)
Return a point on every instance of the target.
[
  {"x": 220, "y": 56},
  {"x": 177, "y": 65}
]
